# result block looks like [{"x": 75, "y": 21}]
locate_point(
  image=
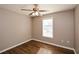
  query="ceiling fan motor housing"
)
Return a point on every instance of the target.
[{"x": 35, "y": 9}]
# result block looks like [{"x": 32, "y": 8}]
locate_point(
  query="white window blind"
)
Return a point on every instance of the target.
[{"x": 47, "y": 29}]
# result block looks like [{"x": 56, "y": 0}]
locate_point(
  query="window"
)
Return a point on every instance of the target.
[{"x": 47, "y": 28}]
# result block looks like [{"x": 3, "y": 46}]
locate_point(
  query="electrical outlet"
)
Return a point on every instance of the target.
[
  {"x": 68, "y": 41},
  {"x": 62, "y": 41}
]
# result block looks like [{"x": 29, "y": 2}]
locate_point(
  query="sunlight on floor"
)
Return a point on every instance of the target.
[{"x": 44, "y": 51}]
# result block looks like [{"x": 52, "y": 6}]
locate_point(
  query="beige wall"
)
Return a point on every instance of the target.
[
  {"x": 14, "y": 28},
  {"x": 63, "y": 28},
  {"x": 77, "y": 29}
]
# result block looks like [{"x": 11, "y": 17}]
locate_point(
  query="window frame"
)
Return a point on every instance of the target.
[{"x": 43, "y": 29}]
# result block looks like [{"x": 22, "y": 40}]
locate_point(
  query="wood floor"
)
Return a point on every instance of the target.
[{"x": 35, "y": 47}]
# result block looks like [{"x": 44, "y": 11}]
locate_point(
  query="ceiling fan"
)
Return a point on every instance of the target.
[{"x": 35, "y": 11}]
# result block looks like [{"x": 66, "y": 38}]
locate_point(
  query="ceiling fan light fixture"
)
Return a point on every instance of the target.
[{"x": 36, "y": 13}]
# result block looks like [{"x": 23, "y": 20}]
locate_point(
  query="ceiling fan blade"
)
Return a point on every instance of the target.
[
  {"x": 42, "y": 10},
  {"x": 26, "y": 9}
]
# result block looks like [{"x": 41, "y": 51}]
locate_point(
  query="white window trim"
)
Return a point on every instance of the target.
[{"x": 52, "y": 28}]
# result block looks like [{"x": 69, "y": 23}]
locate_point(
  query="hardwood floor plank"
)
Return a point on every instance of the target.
[{"x": 33, "y": 47}]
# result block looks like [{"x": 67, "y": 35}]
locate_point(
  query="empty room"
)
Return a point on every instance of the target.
[{"x": 39, "y": 28}]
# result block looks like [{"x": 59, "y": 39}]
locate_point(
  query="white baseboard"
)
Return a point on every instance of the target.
[
  {"x": 75, "y": 51},
  {"x": 56, "y": 45},
  {"x": 15, "y": 45}
]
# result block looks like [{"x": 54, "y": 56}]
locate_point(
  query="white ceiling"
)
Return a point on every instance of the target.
[{"x": 50, "y": 7}]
